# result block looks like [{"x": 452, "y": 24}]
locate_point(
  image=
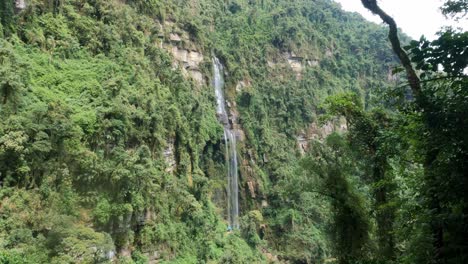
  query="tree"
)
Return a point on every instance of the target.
[
  {"x": 6, "y": 15},
  {"x": 455, "y": 8},
  {"x": 442, "y": 141},
  {"x": 367, "y": 136},
  {"x": 333, "y": 166},
  {"x": 13, "y": 73}
]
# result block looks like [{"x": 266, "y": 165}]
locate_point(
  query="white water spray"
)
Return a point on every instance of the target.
[{"x": 231, "y": 151}]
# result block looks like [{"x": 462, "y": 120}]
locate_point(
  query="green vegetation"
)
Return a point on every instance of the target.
[{"x": 111, "y": 152}]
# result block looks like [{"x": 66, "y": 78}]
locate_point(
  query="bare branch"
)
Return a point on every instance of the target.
[{"x": 413, "y": 79}]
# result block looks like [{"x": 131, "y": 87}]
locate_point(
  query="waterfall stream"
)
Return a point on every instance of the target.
[{"x": 231, "y": 151}]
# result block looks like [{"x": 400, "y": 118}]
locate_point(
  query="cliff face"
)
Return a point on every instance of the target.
[
  {"x": 111, "y": 145},
  {"x": 20, "y": 5}
]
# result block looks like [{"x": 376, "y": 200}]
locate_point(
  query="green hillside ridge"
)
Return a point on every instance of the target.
[{"x": 111, "y": 150}]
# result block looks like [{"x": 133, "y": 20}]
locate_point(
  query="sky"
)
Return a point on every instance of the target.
[{"x": 415, "y": 17}]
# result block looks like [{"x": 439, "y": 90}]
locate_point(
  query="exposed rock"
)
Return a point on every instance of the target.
[
  {"x": 313, "y": 63},
  {"x": 271, "y": 64},
  {"x": 180, "y": 54},
  {"x": 110, "y": 255},
  {"x": 191, "y": 62},
  {"x": 264, "y": 203},
  {"x": 233, "y": 116},
  {"x": 20, "y": 5},
  {"x": 175, "y": 37},
  {"x": 153, "y": 257},
  {"x": 150, "y": 215},
  {"x": 159, "y": 43},
  {"x": 140, "y": 218},
  {"x": 296, "y": 64},
  {"x": 240, "y": 135},
  {"x": 314, "y": 132},
  {"x": 302, "y": 143},
  {"x": 249, "y": 171},
  {"x": 343, "y": 127},
  {"x": 169, "y": 23},
  {"x": 251, "y": 188},
  {"x": 197, "y": 76},
  {"x": 194, "y": 59},
  {"x": 125, "y": 252},
  {"x": 325, "y": 130},
  {"x": 169, "y": 155},
  {"x": 241, "y": 85},
  {"x": 271, "y": 257}
]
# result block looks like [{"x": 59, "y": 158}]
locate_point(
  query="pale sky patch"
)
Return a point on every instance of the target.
[{"x": 415, "y": 17}]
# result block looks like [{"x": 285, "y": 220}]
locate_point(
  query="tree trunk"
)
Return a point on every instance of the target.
[{"x": 415, "y": 84}]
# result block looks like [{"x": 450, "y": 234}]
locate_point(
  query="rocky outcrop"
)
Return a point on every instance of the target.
[
  {"x": 316, "y": 132},
  {"x": 297, "y": 64},
  {"x": 169, "y": 156},
  {"x": 194, "y": 59},
  {"x": 153, "y": 257},
  {"x": 241, "y": 85},
  {"x": 179, "y": 54},
  {"x": 187, "y": 57},
  {"x": 313, "y": 63},
  {"x": 197, "y": 76},
  {"x": 174, "y": 37},
  {"x": 20, "y": 5},
  {"x": 125, "y": 251},
  {"x": 251, "y": 186},
  {"x": 302, "y": 142},
  {"x": 190, "y": 61}
]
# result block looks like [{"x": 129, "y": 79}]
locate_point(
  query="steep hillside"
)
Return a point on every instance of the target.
[{"x": 111, "y": 148}]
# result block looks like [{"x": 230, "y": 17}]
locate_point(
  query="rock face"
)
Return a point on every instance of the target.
[
  {"x": 302, "y": 143},
  {"x": 169, "y": 155},
  {"x": 296, "y": 63},
  {"x": 197, "y": 76},
  {"x": 241, "y": 85},
  {"x": 125, "y": 252},
  {"x": 20, "y": 5},
  {"x": 316, "y": 132},
  {"x": 175, "y": 37},
  {"x": 190, "y": 60},
  {"x": 153, "y": 257},
  {"x": 194, "y": 59},
  {"x": 251, "y": 186},
  {"x": 313, "y": 63},
  {"x": 186, "y": 57},
  {"x": 179, "y": 54}
]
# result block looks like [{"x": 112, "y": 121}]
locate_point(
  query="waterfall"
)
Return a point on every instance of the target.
[{"x": 231, "y": 150}]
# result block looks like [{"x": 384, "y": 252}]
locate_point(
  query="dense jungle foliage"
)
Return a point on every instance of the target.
[{"x": 111, "y": 152}]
